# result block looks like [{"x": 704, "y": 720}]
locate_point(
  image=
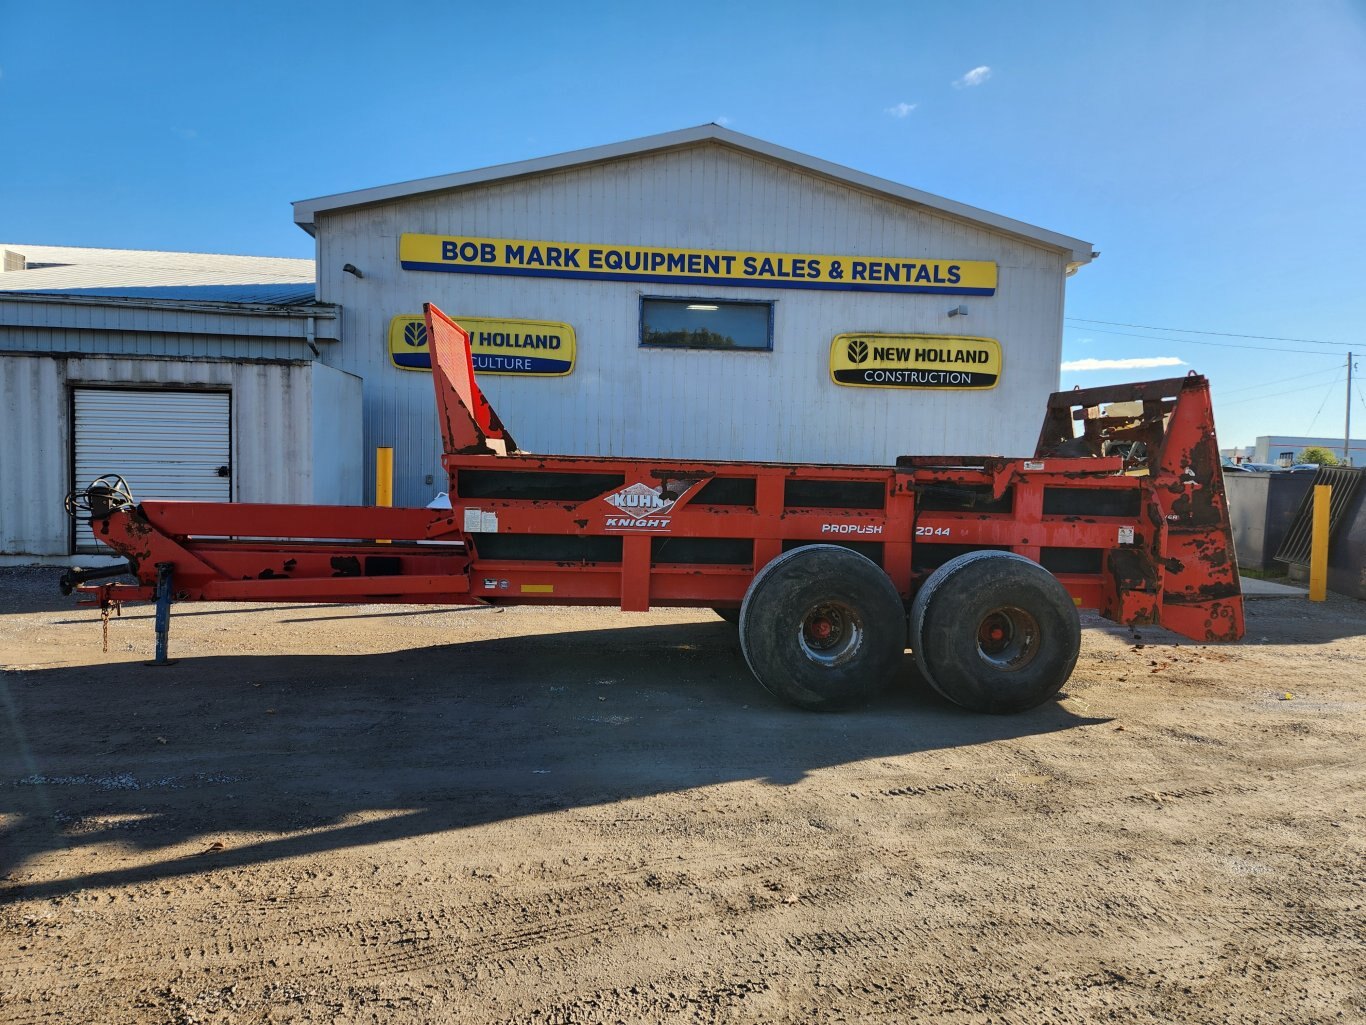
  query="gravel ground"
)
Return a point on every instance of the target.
[{"x": 412, "y": 814}]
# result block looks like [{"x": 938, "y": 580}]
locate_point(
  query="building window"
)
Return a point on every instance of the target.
[
  {"x": 1287, "y": 458},
  {"x": 706, "y": 324}
]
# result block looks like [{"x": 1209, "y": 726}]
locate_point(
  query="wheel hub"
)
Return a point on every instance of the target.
[
  {"x": 1008, "y": 638},
  {"x": 830, "y": 633}
]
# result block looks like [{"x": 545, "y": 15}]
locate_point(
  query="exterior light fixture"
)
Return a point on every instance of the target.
[
  {"x": 958, "y": 311},
  {"x": 702, "y": 306}
]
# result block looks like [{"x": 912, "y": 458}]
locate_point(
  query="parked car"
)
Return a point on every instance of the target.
[{"x": 1298, "y": 467}]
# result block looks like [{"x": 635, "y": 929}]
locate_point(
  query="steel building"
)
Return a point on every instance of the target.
[
  {"x": 192, "y": 375},
  {"x": 697, "y": 294},
  {"x": 1285, "y": 449}
]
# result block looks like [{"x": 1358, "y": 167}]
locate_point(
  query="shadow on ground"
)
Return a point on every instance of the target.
[{"x": 330, "y": 752}]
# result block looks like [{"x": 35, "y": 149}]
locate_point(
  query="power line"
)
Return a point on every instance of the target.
[
  {"x": 1277, "y": 395},
  {"x": 1321, "y": 405},
  {"x": 1218, "y": 345},
  {"x": 1282, "y": 380},
  {"x": 1194, "y": 331}
]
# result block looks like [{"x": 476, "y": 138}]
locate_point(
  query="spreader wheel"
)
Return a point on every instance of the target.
[
  {"x": 822, "y": 628},
  {"x": 995, "y": 632}
]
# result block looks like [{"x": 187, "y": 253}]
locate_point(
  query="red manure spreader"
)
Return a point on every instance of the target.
[{"x": 978, "y": 564}]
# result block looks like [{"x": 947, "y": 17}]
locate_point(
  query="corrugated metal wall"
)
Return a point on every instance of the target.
[
  {"x": 271, "y": 437},
  {"x": 70, "y": 325},
  {"x": 35, "y": 440},
  {"x": 273, "y": 440},
  {"x": 338, "y": 445},
  {"x": 621, "y": 400}
]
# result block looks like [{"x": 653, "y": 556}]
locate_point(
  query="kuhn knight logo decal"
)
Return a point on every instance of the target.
[{"x": 645, "y": 507}]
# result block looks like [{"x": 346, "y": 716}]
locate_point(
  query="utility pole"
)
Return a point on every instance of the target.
[{"x": 1347, "y": 428}]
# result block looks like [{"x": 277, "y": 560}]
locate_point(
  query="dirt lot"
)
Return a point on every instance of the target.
[{"x": 408, "y": 814}]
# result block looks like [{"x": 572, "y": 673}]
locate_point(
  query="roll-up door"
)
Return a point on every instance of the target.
[{"x": 165, "y": 444}]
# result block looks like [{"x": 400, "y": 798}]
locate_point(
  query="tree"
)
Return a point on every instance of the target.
[{"x": 1318, "y": 454}]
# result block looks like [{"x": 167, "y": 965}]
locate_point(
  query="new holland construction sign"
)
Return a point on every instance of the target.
[{"x": 915, "y": 361}]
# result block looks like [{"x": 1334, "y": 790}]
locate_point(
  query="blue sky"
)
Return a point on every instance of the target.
[{"x": 1212, "y": 151}]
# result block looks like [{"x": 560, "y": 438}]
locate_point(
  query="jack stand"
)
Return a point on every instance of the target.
[{"x": 163, "y": 617}]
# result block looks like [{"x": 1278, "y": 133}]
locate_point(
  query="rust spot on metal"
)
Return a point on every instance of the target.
[
  {"x": 690, "y": 475},
  {"x": 1203, "y": 593},
  {"x": 1132, "y": 569}
]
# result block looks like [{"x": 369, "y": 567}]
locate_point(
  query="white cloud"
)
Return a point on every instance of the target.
[
  {"x": 1140, "y": 363},
  {"x": 902, "y": 109},
  {"x": 723, "y": 120},
  {"x": 976, "y": 76}
]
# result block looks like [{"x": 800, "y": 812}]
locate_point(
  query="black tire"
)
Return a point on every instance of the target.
[
  {"x": 822, "y": 628},
  {"x": 995, "y": 632},
  {"x": 730, "y": 615}
]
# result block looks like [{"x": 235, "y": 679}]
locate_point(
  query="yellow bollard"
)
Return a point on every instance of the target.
[
  {"x": 384, "y": 476},
  {"x": 1318, "y": 544},
  {"x": 384, "y": 481}
]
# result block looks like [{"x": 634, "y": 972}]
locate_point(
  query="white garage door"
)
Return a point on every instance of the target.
[{"x": 165, "y": 444}]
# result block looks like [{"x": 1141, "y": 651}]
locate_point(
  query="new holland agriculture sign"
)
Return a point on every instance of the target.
[
  {"x": 663, "y": 265},
  {"x": 513, "y": 348},
  {"x": 915, "y": 361}
]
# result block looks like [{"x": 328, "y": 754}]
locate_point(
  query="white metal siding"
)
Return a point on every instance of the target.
[
  {"x": 34, "y": 466},
  {"x": 271, "y": 414},
  {"x": 338, "y": 445},
  {"x": 621, "y": 400},
  {"x": 166, "y": 444},
  {"x": 67, "y": 325},
  {"x": 289, "y": 444}
]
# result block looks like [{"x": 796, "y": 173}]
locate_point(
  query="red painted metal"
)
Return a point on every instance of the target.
[{"x": 1128, "y": 512}]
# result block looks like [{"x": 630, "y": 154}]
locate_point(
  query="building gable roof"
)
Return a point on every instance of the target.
[{"x": 306, "y": 211}]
